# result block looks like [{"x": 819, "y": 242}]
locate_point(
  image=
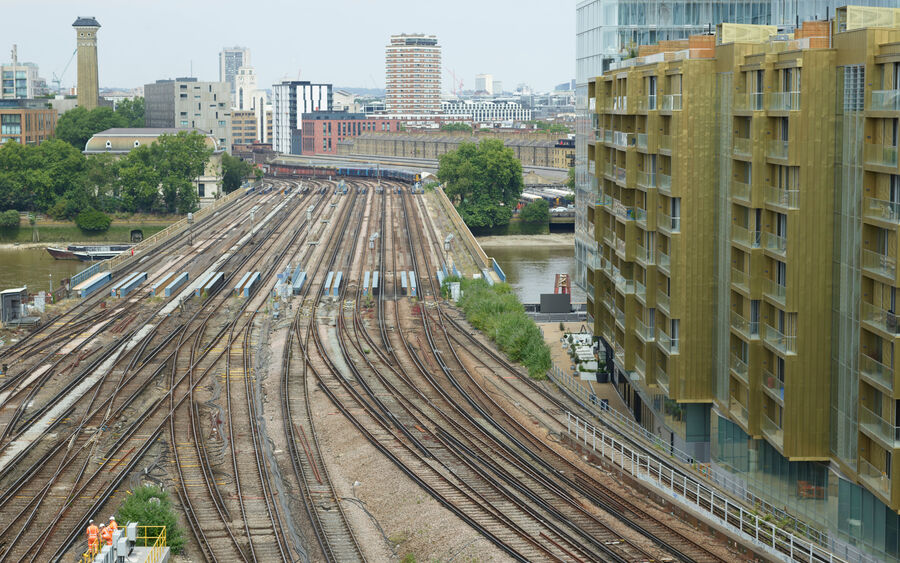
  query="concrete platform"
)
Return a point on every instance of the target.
[{"x": 145, "y": 555}]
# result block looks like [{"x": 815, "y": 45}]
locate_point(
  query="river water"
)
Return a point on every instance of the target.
[
  {"x": 531, "y": 269},
  {"x": 32, "y": 267}
]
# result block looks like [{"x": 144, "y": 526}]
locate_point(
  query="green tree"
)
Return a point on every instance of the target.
[
  {"x": 139, "y": 182},
  {"x": 150, "y": 506},
  {"x": 456, "y": 127},
  {"x": 9, "y": 219},
  {"x": 179, "y": 159},
  {"x": 132, "y": 111},
  {"x": 93, "y": 220},
  {"x": 537, "y": 211},
  {"x": 484, "y": 181},
  {"x": 570, "y": 178},
  {"x": 234, "y": 170},
  {"x": 78, "y": 125}
]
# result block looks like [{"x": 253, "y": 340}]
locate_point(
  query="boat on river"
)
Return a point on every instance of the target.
[{"x": 88, "y": 253}]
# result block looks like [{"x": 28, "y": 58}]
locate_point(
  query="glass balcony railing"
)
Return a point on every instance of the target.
[
  {"x": 640, "y": 291},
  {"x": 772, "y": 431},
  {"x": 781, "y": 342},
  {"x": 881, "y": 155},
  {"x": 643, "y": 255},
  {"x": 778, "y": 148},
  {"x": 878, "y": 263},
  {"x": 775, "y": 290},
  {"x": 750, "y": 329},
  {"x": 744, "y": 236},
  {"x": 885, "y": 100},
  {"x": 608, "y": 169},
  {"x": 639, "y": 366},
  {"x": 875, "y": 478},
  {"x": 642, "y": 140},
  {"x": 646, "y": 179},
  {"x": 640, "y": 215},
  {"x": 743, "y": 146},
  {"x": 625, "y": 286},
  {"x": 879, "y": 427},
  {"x": 621, "y": 174},
  {"x": 622, "y": 211},
  {"x": 663, "y": 301},
  {"x": 739, "y": 412},
  {"x": 663, "y": 260},
  {"x": 882, "y": 319},
  {"x": 774, "y": 385},
  {"x": 671, "y": 102},
  {"x": 668, "y": 344},
  {"x": 619, "y": 351},
  {"x": 590, "y": 290},
  {"x": 752, "y": 101},
  {"x": 665, "y": 143},
  {"x": 662, "y": 379},
  {"x": 782, "y": 197},
  {"x": 620, "y": 246},
  {"x": 644, "y": 332},
  {"x": 667, "y": 223},
  {"x": 784, "y": 101},
  {"x": 608, "y": 136},
  {"x": 876, "y": 371},
  {"x": 881, "y": 209},
  {"x": 623, "y": 139},
  {"x": 620, "y": 317},
  {"x": 740, "y": 190},
  {"x": 651, "y": 101},
  {"x": 740, "y": 279},
  {"x": 664, "y": 183},
  {"x": 739, "y": 367},
  {"x": 776, "y": 243},
  {"x": 609, "y": 236},
  {"x": 620, "y": 103}
]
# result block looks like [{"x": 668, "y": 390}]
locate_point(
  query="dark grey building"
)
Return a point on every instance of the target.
[{"x": 185, "y": 103}]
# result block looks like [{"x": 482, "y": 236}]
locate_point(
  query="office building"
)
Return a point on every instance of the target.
[
  {"x": 88, "y": 79},
  {"x": 495, "y": 112},
  {"x": 20, "y": 80},
  {"x": 745, "y": 205},
  {"x": 290, "y": 100},
  {"x": 244, "y": 127},
  {"x": 185, "y": 103},
  {"x": 27, "y": 122},
  {"x": 323, "y": 130},
  {"x": 484, "y": 84},
  {"x": 413, "y": 75},
  {"x": 231, "y": 59}
]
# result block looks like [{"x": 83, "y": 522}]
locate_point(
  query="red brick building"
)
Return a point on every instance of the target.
[{"x": 322, "y": 130}]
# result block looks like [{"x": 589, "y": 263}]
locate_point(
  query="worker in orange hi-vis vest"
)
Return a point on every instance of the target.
[
  {"x": 106, "y": 535},
  {"x": 112, "y": 524},
  {"x": 93, "y": 534}
]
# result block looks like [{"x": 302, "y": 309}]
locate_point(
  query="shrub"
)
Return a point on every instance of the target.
[
  {"x": 537, "y": 211},
  {"x": 150, "y": 506},
  {"x": 93, "y": 220},
  {"x": 9, "y": 219}
]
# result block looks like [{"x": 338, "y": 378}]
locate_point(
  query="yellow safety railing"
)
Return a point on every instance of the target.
[{"x": 153, "y": 537}]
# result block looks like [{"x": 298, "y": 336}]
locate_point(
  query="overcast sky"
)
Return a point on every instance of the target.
[{"x": 339, "y": 41}]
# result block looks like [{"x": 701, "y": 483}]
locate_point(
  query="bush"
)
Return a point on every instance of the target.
[
  {"x": 9, "y": 219},
  {"x": 496, "y": 311},
  {"x": 537, "y": 211},
  {"x": 93, "y": 220},
  {"x": 150, "y": 506}
]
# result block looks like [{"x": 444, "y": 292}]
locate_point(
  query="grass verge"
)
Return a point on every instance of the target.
[{"x": 496, "y": 311}]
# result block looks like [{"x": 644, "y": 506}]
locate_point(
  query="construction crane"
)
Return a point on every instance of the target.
[
  {"x": 57, "y": 79},
  {"x": 456, "y": 87}
]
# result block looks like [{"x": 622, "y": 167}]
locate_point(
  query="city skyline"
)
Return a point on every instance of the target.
[{"x": 353, "y": 58}]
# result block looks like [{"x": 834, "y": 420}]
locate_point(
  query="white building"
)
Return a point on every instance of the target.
[
  {"x": 413, "y": 75},
  {"x": 488, "y": 112},
  {"x": 290, "y": 100},
  {"x": 20, "y": 80},
  {"x": 484, "y": 83},
  {"x": 250, "y": 98},
  {"x": 230, "y": 60}
]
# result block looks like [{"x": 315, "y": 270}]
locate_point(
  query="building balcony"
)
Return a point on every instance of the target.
[
  {"x": 620, "y": 104},
  {"x": 879, "y": 264},
  {"x": 609, "y": 237},
  {"x": 881, "y": 155},
  {"x": 623, "y": 140},
  {"x": 743, "y": 146},
  {"x": 609, "y": 302},
  {"x": 775, "y": 243},
  {"x": 640, "y": 367},
  {"x": 739, "y": 368},
  {"x": 671, "y": 102},
  {"x": 879, "y": 428},
  {"x": 640, "y": 217},
  {"x": 662, "y": 379},
  {"x": 619, "y": 353},
  {"x": 787, "y": 199},
  {"x": 778, "y": 148},
  {"x": 622, "y": 211},
  {"x": 876, "y": 373},
  {"x": 665, "y": 144},
  {"x": 609, "y": 170},
  {"x": 663, "y": 301},
  {"x": 620, "y": 246},
  {"x": 644, "y": 332},
  {"x": 741, "y": 190},
  {"x": 783, "y": 101},
  {"x": 644, "y": 256},
  {"x": 664, "y": 183},
  {"x": 752, "y": 101},
  {"x": 874, "y": 478},
  {"x": 668, "y": 344},
  {"x": 773, "y": 386},
  {"x": 640, "y": 291},
  {"x": 646, "y": 180},
  {"x": 668, "y": 224},
  {"x": 740, "y": 279},
  {"x": 775, "y": 291},
  {"x": 663, "y": 261},
  {"x": 881, "y": 210},
  {"x": 620, "y": 317},
  {"x": 885, "y": 321},
  {"x": 748, "y": 329},
  {"x": 786, "y": 344},
  {"x": 621, "y": 175},
  {"x": 885, "y": 100},
  {"x": 744, "y": 236},
  {"x": 772, "y": 431},
  {"x": 624, "y": 286},
  {"x": 739, "y": 412},
  {"x": 608, "y": 136},
  {"x": 642, "y": 141}
]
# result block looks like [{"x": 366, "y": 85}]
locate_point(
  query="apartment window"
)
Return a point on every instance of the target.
[
  {"x": 676, "y": 213},
  {"x": 674, "y": 334},
  {"x": 781, "y": 225},
  {"x": 651, "y": 92},
  {"x": 201, "y": 190},
  {"x": 783, "y": 128},
  {"x": 754, "y": 316},
  {"x": 781, "y": 275}
]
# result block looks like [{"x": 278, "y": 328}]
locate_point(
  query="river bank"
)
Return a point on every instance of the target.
[
  {"x": 58, "y": 232},
  {"x": 552, "y": 240}
]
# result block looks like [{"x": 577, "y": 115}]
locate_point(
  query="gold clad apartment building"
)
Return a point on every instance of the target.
[{"x": 746, "y": 210}]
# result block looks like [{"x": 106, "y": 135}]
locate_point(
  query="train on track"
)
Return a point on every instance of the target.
[{"x": 312, "y": 171}]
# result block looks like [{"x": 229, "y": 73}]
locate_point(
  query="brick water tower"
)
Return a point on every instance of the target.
[{"x": 88, "y": 81}]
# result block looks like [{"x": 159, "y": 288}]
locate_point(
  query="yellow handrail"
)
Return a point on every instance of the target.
[{"x": 155, "y": 538}]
